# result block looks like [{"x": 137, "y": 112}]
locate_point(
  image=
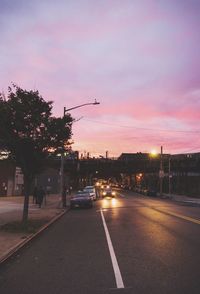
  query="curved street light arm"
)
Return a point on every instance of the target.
[{"x": 94, "y": 103}]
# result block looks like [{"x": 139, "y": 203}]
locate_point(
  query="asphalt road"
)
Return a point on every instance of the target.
[{"x": 131, "y": 244}]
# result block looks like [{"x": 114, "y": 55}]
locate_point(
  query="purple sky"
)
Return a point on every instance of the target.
[{"x": 138, "y": 58}]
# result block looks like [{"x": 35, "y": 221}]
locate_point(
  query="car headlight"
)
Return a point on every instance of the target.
[
  {"x": 104, "y": 193},
  {"x": 113, "y": 193}
]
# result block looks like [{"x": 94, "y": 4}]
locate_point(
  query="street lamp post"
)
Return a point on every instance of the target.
[{"x": 62, "y": 191}]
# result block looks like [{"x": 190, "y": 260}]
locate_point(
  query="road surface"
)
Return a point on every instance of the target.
[{"x": 130, "y": 244}]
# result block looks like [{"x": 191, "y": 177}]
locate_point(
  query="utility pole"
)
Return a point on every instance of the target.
[
  {"x": 161, "y": 172},
  {"x": 169, "y": 171},
  {"x": 62, "y": 189},
  {"x": 107, "y": 154}
]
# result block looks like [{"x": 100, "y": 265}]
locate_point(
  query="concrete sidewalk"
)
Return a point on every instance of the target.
[
  {"x": 11, "y": 209},
  {"x": 183, "y": 199}
]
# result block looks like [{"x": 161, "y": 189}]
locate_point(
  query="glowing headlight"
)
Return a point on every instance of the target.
[
  {"x": 104, "y": 193},
  {"x": 113, "y": 193}
]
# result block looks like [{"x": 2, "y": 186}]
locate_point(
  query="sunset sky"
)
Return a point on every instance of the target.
[{"x": 138, "y": 58}]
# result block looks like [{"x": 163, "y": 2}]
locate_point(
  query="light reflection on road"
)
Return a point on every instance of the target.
[
  {"x": 110, "y": 203},
  {"x": 157, "y": 229}
]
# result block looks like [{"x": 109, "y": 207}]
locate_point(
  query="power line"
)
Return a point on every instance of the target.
[
  {"x": 140, "y": 128},
  {"x": 190, "y": 150}
]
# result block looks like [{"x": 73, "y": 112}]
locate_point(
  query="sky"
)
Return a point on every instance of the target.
[{"x": 138, "y": 58}]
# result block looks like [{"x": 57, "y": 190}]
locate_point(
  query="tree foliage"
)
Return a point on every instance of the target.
[{"x": 29, "y": 132}]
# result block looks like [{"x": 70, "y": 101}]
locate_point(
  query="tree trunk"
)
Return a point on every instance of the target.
[{"x": 27, "y": 185}]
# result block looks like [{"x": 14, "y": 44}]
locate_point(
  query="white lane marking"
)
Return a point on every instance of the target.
[{"x": 118, "y": 276}]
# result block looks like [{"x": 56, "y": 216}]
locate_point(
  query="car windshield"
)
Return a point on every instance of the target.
[
  {"x": 81, "y": 195},
  {"x": 108, "y": 190},
  {"x": 105, "y": 187},
  {"x": 88, "y": 189}
]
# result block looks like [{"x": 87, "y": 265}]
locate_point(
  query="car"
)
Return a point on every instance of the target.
[
  {"x": 104, "y": 186},
  {"x": 86, "y": 193},
  {"x": 91, "y": 190},
  {"x": 108, "y": 192},
  {"x": 80, "y": 200},
  {"x": 151, "y": 192},
  {"x": 138, "y": 189}
]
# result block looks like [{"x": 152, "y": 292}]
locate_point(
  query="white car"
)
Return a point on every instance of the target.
[{"x": 91, "y": 190}]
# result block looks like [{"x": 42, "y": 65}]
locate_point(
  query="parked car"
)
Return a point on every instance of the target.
[
  {"x": 138, "y": 189},
  {"x": 91, "y": 190},
  {"x": 81, "y": 200},
  {"x": 144, "y": 191},
  {"x": 151, "y": 192},
  {"x": 86, "y": 193},
  {"x": 108, "y": 192}
]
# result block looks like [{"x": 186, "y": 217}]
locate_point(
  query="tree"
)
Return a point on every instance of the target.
[{"x": 29, "y": 133}]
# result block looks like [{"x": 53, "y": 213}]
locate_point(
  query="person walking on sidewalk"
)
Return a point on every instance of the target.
[
  {"x": 35, "y": 195},
  {"x": 64, "y": 196},
  {"x": 41, "y": 195}
]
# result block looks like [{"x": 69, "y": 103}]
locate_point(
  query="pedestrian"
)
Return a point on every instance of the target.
[
  {"x": 41, "y": 195},
  {"x": 35, "y": 195},
  {"x": 70, "y": 190},
  {"x": 45, "y": 196},
  {"x": 64, "y": 196}
]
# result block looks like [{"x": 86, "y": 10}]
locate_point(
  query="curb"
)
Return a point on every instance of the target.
[
  {"x": 187, "y": 203},
  {"x": 22, "y": 243}
]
